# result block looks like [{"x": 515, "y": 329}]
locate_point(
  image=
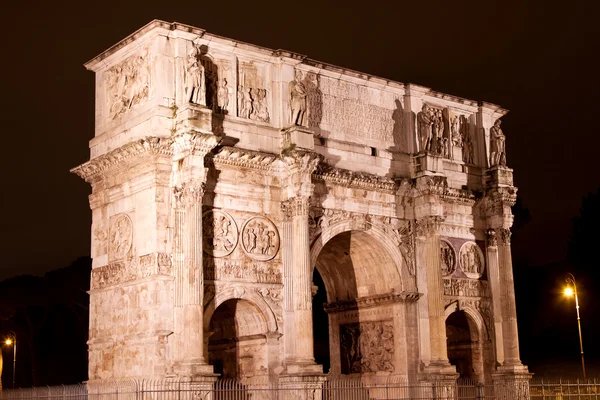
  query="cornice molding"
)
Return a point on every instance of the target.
[{"x": 372, "y": 301}]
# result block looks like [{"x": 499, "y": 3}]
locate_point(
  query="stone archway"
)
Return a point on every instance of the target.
[
  {"x": 237, "y": 340},
  {"x": 363, "y": 285},
  {"x": 465, "y": 336}
]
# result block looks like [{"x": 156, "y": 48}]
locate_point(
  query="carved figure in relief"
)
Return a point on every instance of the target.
[
  {"x": 471, "y": 261},
  {"x": 468, "y": 153},
  {"x": 220, "y": 233},
  {"x": 298, "y": 95},
  {"x": 367, "y": 347},
  {"x": 127, "y": 84},
  {"x": 455, "y": 130},
  {"x": 447, "y": 257},
  {"x": 195, "y": 84},
  {"x": 240, "y": 100},
  {"x": 260, "y": 105},
  {"x": 424, "y": 124},
  {"x": 260, "y": 239},
  {"x": 438, "y": 130},
  {"x": 120, "y": 236},
  {"x": 497, "y": 145},
  {"x": 223, "y": 95}
]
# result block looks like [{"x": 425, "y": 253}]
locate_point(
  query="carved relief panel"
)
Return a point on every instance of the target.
[
  {"x": 120, "y": 236},
  {"x": 253, "y": 95},
  {"x": 220, "y": 233},
  {"x": 448, "y": 258},
  {"x": 127, "y": 84},
  {"x": 471, "y": 260},
  {"x": 367, "y": 347},
  {"x": 260, "y": 239}
]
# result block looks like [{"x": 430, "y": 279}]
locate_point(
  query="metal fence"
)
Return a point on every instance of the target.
[{"x": 330, "y": 389}]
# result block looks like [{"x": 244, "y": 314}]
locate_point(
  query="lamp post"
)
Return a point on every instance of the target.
[
  {"x": 11, "y": 339},
  {"x": 570, "y": 291}
]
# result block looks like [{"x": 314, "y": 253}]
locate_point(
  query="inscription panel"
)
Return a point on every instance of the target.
[{"x": 350, "y": 111}]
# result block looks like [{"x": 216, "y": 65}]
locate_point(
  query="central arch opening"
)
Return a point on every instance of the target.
[
  {"x": 351, "y": 270},
  {"x": 237, "y": 341}
]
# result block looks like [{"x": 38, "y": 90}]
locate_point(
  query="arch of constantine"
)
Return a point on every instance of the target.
[{"x": 260, "y": 215}]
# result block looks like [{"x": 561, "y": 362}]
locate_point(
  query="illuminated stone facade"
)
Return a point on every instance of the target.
[{"x": 224, "y": 173}]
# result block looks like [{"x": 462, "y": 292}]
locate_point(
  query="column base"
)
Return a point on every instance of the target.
[
  {"x": 304, "y": 386},
  {"x": 192, "y": 369},
  {"x": 304, "y": 368},
  {"x": 511, "y": 382},
  {"x": 439, "y": 380}
]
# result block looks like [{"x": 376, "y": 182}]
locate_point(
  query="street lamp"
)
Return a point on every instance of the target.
[
  {"x": 569, "y": 292},
  {"x": 11, "y": 340}
]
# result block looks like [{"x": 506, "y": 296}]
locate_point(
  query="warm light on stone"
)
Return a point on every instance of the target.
[{"x": 225, "y": 176}]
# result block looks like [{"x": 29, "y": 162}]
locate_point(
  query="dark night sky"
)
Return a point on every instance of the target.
[{"x": 535, "y": 58}]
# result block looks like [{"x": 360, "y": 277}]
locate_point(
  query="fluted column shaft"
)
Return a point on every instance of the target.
[
  {"x": 429, "y": 240},
  {"x": 507, "y": 299},
  {"x": 493, "y": 271}
]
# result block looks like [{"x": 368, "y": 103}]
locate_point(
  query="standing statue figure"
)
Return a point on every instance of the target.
[
  {"x": 454, "y": 128},
  {"x": 438, "y": 130},
  {"x": 195, "y": 86},
  {"x": 298, "y": 95},
  {"x": 497, "y": 145},
  {"x": 424, "y": 123},
  {"x": 223, "y": 95}
]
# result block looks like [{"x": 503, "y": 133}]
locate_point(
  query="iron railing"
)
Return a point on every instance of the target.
[{"x": 329, "y": 389}]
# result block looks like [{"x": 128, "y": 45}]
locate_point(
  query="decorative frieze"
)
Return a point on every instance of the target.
[
  {"x": 367, "y": 347},
  {"x": 240, "y": 158},
  {"x": 223, "y": 269},
  {"x": 120, "y": 272},
  {"x": 465, "y": 287},
  {"x": 353, "y": 179},
  {"x": 371, "y": 301}
]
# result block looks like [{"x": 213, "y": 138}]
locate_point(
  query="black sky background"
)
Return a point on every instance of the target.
[{"x": 536, "y": 58}]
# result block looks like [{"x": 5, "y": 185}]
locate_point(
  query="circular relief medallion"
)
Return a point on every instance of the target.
[
  {"x": 260, "y": 239},
  {"x": 448, "y": 257},
  {"x": 471, "y": 260},
  {"x": 121, "y": 236},
  {"x": 220, "y": 233}
]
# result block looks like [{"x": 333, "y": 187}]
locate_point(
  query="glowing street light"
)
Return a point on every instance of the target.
[
  {"x": 11, "y": 340},
  {"x": 571, "y": 291}
]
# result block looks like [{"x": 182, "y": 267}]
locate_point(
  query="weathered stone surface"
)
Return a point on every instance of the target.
[{"x": 225, "y": 176}]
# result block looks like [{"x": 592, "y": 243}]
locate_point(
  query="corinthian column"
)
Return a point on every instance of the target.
[
  {"x": 507, "y": 299},
  {"x": 430, "y": 271},
  {"x": 297, "y": 268}
]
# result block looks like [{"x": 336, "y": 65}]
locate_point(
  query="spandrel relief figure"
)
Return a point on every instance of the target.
[
  {"x": 195, "y": 84},
  {"x": 223, "y": 95},
  {"x": 425, "y": 124},
  {"x": 497, "y": 146},
  {"x": 298, "y": 95}
]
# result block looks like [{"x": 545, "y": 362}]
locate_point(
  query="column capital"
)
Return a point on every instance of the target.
[
  {"x": 300, "y": 161},
  {"x": 428, "y": 226},
  {"x": 504, "y": 234},
  {"x": 295, "y": 206},
  {"x": 189, "y": 193},
  {"x": 492, "y": 239}
]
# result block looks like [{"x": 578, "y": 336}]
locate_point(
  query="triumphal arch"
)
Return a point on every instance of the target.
[{"x": 259, "y": 214}]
